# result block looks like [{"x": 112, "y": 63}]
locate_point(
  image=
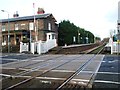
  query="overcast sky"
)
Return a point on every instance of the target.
[{"x": 96, "y": 16}]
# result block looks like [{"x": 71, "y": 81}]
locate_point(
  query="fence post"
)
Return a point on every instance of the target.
[
  {"x": 21, "y": 46},
  {"x": 39, "y": 47}
]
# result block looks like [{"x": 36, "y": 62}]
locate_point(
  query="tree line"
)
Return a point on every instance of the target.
[{"x": 68, "y": 33}]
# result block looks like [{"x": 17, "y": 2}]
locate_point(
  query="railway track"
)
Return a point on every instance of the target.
[
  {"x": 78, "y": 71},
  {"x": 28, "y": 64},
  {"x": 97, "y": 50},
  {"x": 33, "y": 70},
  {"x": 64, "y": 84},
  {"x": 77, "y": 49}
]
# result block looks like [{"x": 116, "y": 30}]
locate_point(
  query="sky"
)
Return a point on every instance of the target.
[{"x": 97, "y": 16}]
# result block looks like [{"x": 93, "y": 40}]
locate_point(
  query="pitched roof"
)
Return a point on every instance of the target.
[{"x": 27, "y": 18}]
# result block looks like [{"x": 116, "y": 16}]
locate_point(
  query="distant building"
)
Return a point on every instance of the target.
[{"x": 19, "y": 28}]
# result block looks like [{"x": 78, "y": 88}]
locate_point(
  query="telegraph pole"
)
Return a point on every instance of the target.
[{"x": 8, "y": 31}]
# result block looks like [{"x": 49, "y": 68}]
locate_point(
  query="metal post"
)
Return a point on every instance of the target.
[
  {"x": 8, "y": 31},
  {"x": 30, "y": 42},
  {"x": 8, "y": 34},
  {"x": 118, "y": 48},
  {"x": 35, "y": 23},
  {"x": 78, "y": 37}
]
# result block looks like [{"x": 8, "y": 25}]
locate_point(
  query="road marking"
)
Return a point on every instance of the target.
[
  {"x": 113, "y": 61},
  {"x": 7, "y": 68},
  {"x": 86, "y": 71},
  {"x": 6, "y": 75},
  {"x": 51, "y": 78},
  {"x": 80, "y": 80},
  {"x": 99, "y": 64},
  {"x": 38, "y": 60},
  {"x": 108, "y": 73},
  {"x": 102, "y": 81},
  {"x": 15, "y": 68},
  {"x": 8, "y": 59},
  {"x": 103, "y": 61},
  {"x": 62, "y": 71},
  {"x": 20, "y": 54}
]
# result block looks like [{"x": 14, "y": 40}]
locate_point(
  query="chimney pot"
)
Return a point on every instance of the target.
[{"x": 40, "y": 11}]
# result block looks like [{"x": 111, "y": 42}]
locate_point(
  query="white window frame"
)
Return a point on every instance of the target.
[
  {"x": 3, "y": 27},
  {"x": 31, "y": 26},
  {"x": 16, "y": 26},
  {"x": 49, "y": 26}
]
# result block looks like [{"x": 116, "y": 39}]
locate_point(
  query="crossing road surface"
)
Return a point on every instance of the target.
[
  {"x": 51, "y": 71},
  {"x": 108, "y": 75},
  {"x": 7, "y": 58}
]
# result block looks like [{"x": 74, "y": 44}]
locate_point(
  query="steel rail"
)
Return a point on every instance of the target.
[
  {"x": 36, "y": 68},
  {"x": 78, "y": 71},
  {"x": 30, "y": 70},
  {"x": 75, "y": 73},
  {"x": 89, "y": 84},
  {"x": 91, "y": 50}
]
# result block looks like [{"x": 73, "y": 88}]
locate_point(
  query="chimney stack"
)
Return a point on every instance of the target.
[
  {"x": 16, "y": 14},
  {"x": 40, "y": 11}
]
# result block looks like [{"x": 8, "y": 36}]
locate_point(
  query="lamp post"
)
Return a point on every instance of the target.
[
  {"x": 78, "y": 37},
  {"x": 8, "y": 31}
]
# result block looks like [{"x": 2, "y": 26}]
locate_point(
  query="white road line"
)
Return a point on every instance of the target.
[
  {"x": 6, "y": 75},
  {"x": 108, "y": 73},
  {"x": 7, "y": 68},
  {"x": 62, "y": 71},
  {"x": 20, "y": 54},
  {"x": 99, "y": 64},
  {"x": 86, "y": 71},
  {"x": 8, "y": 59},
  {"x": 113, "y": 61},
  {"x": 15, "y": 68},
  {"x": 38, "y": 60},
  {"x": 80, "y": 80},
  {"x": 102, "y": 81},
  {"x": 51, "y": 78}
]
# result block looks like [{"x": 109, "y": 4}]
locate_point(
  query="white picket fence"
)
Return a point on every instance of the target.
[
  {"x": 43, "y": 47},
  {"x": 115, "y": 48},
  {"x": 38, "y": 47},
  {"x": 24, "y": 47}
]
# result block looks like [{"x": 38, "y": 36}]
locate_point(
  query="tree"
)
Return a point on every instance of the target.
[{"x": 67, "y": 30}]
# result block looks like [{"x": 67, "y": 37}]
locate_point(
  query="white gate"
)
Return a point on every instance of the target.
[{"x": 24, "y": 47}]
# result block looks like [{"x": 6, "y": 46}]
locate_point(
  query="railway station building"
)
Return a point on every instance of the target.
[{"x": 40, "y": 27}]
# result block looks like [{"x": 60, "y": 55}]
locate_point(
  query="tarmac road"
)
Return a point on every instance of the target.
[
  {"x": 7, "y": 58},
  {"x": 108, "y": 75}
]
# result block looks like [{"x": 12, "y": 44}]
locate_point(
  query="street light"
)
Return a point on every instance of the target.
[
  {"x": 8, "y": 30},
  {"x": 78, "y": 37}
]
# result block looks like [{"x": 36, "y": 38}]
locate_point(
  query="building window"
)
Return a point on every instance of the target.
[
  {"x": 4, "y": 41},
  {"x": 23, "y": 26},
  {"x": 31, "y": 26},
  {"x": 3, "y": 27},
  {"x": 16, "y": 26},
  {"x": 53, "y": 36},
  {"x": 49, "y": 26}
]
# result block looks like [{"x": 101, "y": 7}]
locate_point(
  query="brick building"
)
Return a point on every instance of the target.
[{"x": 19, "y": 28}]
